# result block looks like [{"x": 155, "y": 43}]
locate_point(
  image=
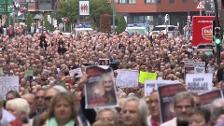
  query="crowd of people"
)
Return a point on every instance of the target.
[{"x": 51, "y": 97}]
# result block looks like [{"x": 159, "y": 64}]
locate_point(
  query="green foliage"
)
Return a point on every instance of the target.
[
  {"x": 121, "y": 24},
  {"x": 97, "y": 8},
  {"x": 47, "y": 24},
  {"x": 29, "y": 21},
  {"x": 68, "y": 8}
]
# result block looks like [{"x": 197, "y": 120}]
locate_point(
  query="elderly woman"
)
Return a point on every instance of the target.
[
  {"x": 107, "y": 114},
  {"x": 62, "y": 111},
  {"x": 20, "y": 108}
]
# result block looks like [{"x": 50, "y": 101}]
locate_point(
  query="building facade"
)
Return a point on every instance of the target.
[{"x": 153, "y": 11}]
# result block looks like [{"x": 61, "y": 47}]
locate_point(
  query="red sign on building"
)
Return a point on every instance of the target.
[{"x": 202, "y": 28}]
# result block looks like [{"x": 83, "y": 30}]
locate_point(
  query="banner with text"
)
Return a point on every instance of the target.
[
  {"x": 199, "y": 83},
  {"x": 199, "y": 67},
  {"x": 192, "y": 67}
]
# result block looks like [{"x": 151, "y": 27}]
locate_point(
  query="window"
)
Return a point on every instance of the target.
[
  {"x": 29, "y": 1},
  {"x": 152, "y": 1},
  {"x": 184, "y": 1},
  {"x": 122, "y": 1},
  {"x": 171, "y": 1},
  {"x": 196, "y": 1},
  {"x": 132, "y": 1},
  {"x": 127, "y": 1}
]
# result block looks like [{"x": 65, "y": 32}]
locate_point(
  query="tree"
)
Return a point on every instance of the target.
[
  {"x": 69, "y": 9},
  {"x": 121, "y": 24},
  {"x": 29, "y": 21},
  {"x": 97, "y": 8},
  {"x": 47, "y": 24}
]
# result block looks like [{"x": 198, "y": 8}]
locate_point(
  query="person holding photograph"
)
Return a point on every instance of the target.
[
  {"x": 108, "y": 84},
  {"x": 95, "y": 92}
]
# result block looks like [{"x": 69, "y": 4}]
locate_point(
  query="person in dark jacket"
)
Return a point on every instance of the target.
[
  {"x": 220, "y": 73},
  {"x": 43, "y": 42}
]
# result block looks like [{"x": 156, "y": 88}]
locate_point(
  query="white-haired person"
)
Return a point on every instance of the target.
[
  {"x": 107, "y": 114},
  {"x": 134, "y": 112},
  {"x": 20, "y": 108},
  {"x": 6, "y": 117}
]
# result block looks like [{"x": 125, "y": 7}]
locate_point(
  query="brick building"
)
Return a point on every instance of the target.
[{"x": 154, "y": 11}]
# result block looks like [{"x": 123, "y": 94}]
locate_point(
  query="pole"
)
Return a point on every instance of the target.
[
  {"x": 64, "y": 26},
  {"x": 113, "y": 16},
  {"x": 42, "y": 23},
  {"x": 218, "y": 47},
  {"x": 6, "y": 9},
  {"x": 200, "y": 12}
]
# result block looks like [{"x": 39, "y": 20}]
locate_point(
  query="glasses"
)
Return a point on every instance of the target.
[
  {"x": 39, "y": 97},
  {"x": 47, "y": 98}
]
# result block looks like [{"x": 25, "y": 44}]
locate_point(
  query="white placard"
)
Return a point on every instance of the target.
[
  {"x": 8, "y": 83},
  {"x": 199, "y": 67},
  {"x": 84, "y": 8},
  {"x": 127, "y": 78},
  {"x": 149, "y": 86},
  {"x": 77, "y": 71},
  {"x": 199, "y": 83}
]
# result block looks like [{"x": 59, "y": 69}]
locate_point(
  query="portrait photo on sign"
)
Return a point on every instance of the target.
[{"x": 100, "y": 89}]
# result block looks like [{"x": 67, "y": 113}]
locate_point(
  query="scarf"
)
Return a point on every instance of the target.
[{"x": 52, "y": 122}]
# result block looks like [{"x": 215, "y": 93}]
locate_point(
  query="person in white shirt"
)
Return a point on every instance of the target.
[
  {"x": 183, "y": 105},
  {"x": 5, "y": 116}
]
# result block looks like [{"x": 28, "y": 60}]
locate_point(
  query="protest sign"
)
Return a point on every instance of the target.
[
  {"x": 127, "y": 78},
  {"x": 151, "y": 85},
  {"x": 104, "y": 61},
  {"x": 199, "y": 83},
  {"x": 166, "y": 94},
  {"x": 143, "y": 76},
  {"x": 1, "y": 71},
  {"x": 199, "y": 67},
  {"x": 8, "y": 83},
  {"x": 207, "y": 98},
  {"x": 189, "y": 67},
  {"x": 192, "y": 67},
  {"x": 100, "y": 88},
  {"x": 77, "y": 72}
]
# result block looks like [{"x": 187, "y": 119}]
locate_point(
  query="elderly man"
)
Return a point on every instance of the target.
[
  {"x": 134, "y": 112},
  {"x": 154, "y": 108},
  {"x": 30, "y": 99},
  {"x": 183, "y": 105}
]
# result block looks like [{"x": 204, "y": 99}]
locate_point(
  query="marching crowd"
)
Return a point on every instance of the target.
[{"x": 51, "y": 97}]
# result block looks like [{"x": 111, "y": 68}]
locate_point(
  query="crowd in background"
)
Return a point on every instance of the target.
[{"x": 54, "y": 98}]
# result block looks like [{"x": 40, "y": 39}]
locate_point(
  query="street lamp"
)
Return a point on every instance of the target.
[{"x": 114, "y": 14}]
